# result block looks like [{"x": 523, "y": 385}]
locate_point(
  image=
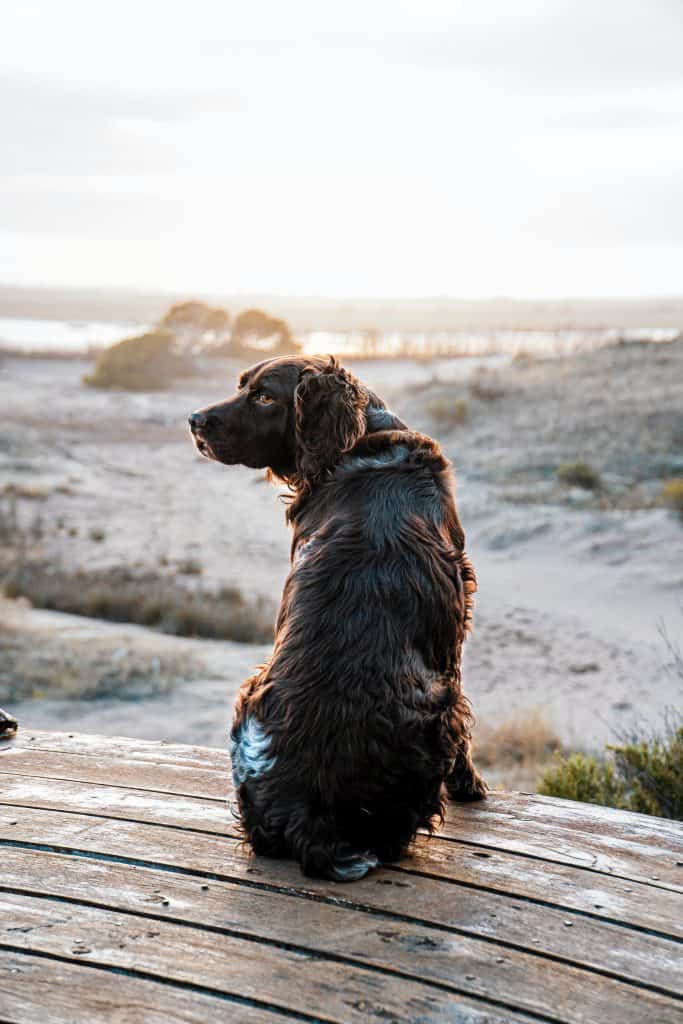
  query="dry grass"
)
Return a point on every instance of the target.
[
  {"x": 512, "y": 755},
  {"x": 85, "y": 669},
  {"x": 146, "y": 598},
  {"x": 449, "y": 412}
]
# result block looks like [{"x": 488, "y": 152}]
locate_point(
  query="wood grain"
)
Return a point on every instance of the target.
[{"x": 126, "y": 894}]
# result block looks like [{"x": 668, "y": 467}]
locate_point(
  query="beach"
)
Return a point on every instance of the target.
[{"x": 578, "y": 588}]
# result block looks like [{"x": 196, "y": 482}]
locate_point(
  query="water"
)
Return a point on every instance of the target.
[
  {"x": 25, "y": 335},
  {"x": 476, "y": 343},
  {"x": 74, "y": 337}
]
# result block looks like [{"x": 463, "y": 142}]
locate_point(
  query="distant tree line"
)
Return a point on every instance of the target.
[{"x": 252, "y": 330}]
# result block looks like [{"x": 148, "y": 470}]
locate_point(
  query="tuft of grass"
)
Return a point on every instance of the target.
[
  {"x": 144, "y": 598},
  {"x": 579, "y": 474},
  {"x": 672, "y": 495},
  {"x": 447, "y": 411},
  {"x": 189, "y": 567},
  {"x": 641, "y": 775},
  {"x": 150, "y": 362}
]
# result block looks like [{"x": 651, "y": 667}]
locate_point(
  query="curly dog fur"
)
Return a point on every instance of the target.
[{"x": 353, "y": 734}]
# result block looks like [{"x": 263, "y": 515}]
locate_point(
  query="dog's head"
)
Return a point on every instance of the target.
[{"x": 295, "y": 415}]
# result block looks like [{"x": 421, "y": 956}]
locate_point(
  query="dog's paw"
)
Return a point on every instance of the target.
[
  {"x": 349, "y": 865},
  {"x": 467, "y": 788},
  {"x": 8, "y": 725}
]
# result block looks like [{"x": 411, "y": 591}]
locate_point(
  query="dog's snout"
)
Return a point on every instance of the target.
[{"x": 197, "y": 421}]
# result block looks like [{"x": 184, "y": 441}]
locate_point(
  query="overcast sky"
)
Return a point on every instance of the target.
[{"x": 344, "y": 148}]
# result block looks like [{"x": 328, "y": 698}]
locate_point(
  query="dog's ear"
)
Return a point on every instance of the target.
[{"x": 329, "y": 406}]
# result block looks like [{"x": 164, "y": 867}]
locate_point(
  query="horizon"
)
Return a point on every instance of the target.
[{"x": 188, "y": 294}]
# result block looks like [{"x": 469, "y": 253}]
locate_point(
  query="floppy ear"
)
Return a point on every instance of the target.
[{"x": 329, "y": 406}]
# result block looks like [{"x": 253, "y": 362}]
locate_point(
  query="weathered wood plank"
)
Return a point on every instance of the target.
[
  {"x": 459, "y": 862},
  {"x": 383, "y": 929},
  {"x": 301, "y": 983},
  {"x": 523, "y": 909},
  {"x": 153, "y": 751},
  {"x": 36, "y": 988},
  {"x": 607, "y": 847},
  {"x": 599, "y": 896},
  {"x": 535, "y": 809},
  {"x": 614, "y": 852}
]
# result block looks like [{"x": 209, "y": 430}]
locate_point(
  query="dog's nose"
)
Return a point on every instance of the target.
[{"x": 197, "y": 420}]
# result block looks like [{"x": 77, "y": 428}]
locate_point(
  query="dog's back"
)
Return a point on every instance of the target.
[{"x": 344, "y": 742}]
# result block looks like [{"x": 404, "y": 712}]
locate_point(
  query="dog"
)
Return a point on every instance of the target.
[{"x": 356, "y": 731}]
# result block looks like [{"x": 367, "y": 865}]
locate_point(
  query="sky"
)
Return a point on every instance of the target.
[{"x": 376, "y": 148}]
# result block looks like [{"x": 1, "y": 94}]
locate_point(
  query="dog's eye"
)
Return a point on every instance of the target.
[{"x": 264, "y": 399}]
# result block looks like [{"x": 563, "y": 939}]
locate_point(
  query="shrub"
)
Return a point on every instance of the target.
[
  {"x": 448, "y": 412},
  {"x": 642, "y": 775},
  {"x": 582, "y": 778},
  {"x": 672, "y": 495},
  {"x": 579, "y": 474},
  {"x": 149, "y": 362}
]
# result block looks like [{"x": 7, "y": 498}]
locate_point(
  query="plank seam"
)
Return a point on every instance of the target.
[
  {"x": 563, "y": 863},
  {"x": 188, "y": 986},
  {"x": 535, "y": 798},
  {"x": 239, "y": 933},
  {"x": 478, "y": 998},
  {"x": 386, "y": 915},
  {"x": 226, "y": 803},
  {"x": 391, "y": 867}
]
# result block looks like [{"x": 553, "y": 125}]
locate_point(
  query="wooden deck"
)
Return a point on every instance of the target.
[{"x": 126, "y": 895}]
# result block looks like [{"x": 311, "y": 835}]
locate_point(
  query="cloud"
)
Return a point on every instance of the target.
[
  {"x": 56, "y": 127},
  {"x": 557, "y": 46}
]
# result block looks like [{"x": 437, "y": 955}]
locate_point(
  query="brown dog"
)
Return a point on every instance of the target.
[{"x": 348, "y": 740}]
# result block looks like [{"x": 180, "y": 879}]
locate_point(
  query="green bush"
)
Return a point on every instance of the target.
[
  {"x": 579, "y": 474},
  {"x": 644, "y": 776},
  {"x": 672, "y": 495},
  {"x": 582, "y": 778},
  {"x": 149, "y": 362}
]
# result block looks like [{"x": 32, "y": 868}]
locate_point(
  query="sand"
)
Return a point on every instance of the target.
[{"x": 574, "y": 587}]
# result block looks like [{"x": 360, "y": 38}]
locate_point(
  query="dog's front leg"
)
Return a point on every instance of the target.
[{"x": 464, "y": 782}]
